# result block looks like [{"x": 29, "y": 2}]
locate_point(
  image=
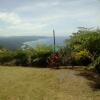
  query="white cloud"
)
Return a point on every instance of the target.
[
  {"x": 18, "y": 24},
  {"x": 39, "y": 17},
  {"x": 23, "y": 25},
  {"x": 10, "y": 18}
]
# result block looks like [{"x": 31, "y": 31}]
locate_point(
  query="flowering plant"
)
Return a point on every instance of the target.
[{"x": 54, "y": 60}]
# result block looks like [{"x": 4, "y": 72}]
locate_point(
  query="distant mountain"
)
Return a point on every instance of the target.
[
  {"x": 15, "y": 42},
  {"x": 48, "y": 41}
]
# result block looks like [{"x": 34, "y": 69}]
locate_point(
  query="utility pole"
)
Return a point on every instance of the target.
[{"x": 54, "y": 39}]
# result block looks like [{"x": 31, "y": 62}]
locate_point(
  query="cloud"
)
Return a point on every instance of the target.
[
  {"x": 18, "y": 24},
  {"x": 10, "y": 18},
  {"x": 40, "y": 16}
]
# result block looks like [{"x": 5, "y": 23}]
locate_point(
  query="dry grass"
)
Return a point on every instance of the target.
[{"x": 18, "y": 83}]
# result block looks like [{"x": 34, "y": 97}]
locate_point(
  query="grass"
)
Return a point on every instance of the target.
[{"x": 20, "y": 83}]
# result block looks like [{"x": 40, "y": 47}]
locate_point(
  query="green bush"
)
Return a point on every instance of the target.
[
  {"x": 85, "y": 39},
  {"x": 40, "y": 60},
  {"x": 23, "y": 57},
  {"x": 6, "y": 56},
  {"x": 65, "y": 55},
  {"x": 42, "y": 52},
  {"x": 27, "y": 57},
  {"x": 85, "y": 46},
  {"x": 81, "y": 58},
  {"x": 96, "y": 64}
]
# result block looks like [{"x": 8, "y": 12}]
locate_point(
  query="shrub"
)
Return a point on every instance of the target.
[
  {"x": 6, "y": 56},
  {"x": 96, "y": 64},
  {"x": 54, "y": 60},
  {"x": 82, "y": 58},
  {"x": 26, "y": 57},
  {"x": 88, "y": 39},
  {"x": 65, "y": 55},
  {"x": 22, "y": 57},
  {"x": 40, "y": 60},
  {"x": 42, "y": 52}
]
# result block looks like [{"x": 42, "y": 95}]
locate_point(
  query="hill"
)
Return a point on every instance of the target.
[{"x": 15, "y": 42}]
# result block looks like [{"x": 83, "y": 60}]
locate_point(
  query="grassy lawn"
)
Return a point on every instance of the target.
[{"x": 20, "y": 83}]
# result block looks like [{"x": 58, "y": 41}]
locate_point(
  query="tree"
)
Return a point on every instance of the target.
[
  {"x": 86, "y": 39},
  {"x": 85, "y": 45}
]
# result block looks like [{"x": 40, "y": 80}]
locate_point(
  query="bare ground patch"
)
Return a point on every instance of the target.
[{"x": 46, "y": 84}]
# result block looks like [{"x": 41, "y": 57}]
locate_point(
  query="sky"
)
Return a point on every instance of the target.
[{"x": 40, "y": 17}]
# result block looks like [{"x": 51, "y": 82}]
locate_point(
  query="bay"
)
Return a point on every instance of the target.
[{"x": 46, "y": 40}]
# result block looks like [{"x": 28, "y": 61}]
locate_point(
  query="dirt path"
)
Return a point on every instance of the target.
[
  {"x": 72, "y": 86},
  {"x": 18, "y": 83}
]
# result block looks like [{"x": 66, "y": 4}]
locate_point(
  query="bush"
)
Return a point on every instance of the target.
[
  {"x": 40, "y": 60},
  {"x": 81, "y": 58},
  {"x": 88, "y": 39},
  {"x": 6, "y": 56},
  {"x": 65, "y": 55},
  {"x": 42, "y": 52},
  {"x": 96, "y": 64},
  {"x": 54, "y": 60},
  {"x": 22, "y": 57},
  {"x": 27, "y": 57}
]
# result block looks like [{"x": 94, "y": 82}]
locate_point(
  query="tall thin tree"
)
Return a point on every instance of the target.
[{"x": 54, "y": 39}]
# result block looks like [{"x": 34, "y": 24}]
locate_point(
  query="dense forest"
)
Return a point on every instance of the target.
[{"x": 81, "y": 49}]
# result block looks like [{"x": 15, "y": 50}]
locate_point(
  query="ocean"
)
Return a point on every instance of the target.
[{"x": 46, "y": 40}]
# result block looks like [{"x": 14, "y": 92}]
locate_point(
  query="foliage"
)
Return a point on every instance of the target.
[
  {"x": 6, "y": 56},
  {"x": 65, "y": 55},
  {"x": 54, "y": 60},
  {"x": 85, "y": 46},
  {"x": 82, "y": 57},
  {"x": 42, "y": 52},
  {"x": 26, "y": 57},
  {"x": 82, "y": 48},
  {"x": 86, "y": 39},
  {"x": 23, "y": 57},
  {"x": 96, "y": 64}
]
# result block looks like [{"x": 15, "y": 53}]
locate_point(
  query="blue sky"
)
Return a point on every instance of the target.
[{"x": 39, "y": 17}]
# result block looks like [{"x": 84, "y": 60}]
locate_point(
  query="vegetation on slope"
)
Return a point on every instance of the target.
[{"x": 82, "y": 49}]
